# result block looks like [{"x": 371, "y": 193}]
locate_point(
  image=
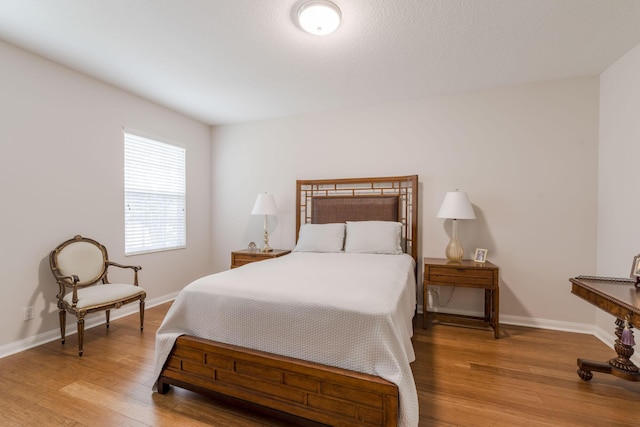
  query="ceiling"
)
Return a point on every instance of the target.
[{"x": 226, "y": 61}]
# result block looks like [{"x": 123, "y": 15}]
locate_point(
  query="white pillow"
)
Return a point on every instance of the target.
[
  {"x": 374, "y": 237},
  {"x": 320, "y": 238}
]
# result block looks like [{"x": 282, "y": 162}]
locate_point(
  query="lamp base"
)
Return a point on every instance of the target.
[
  {"x": 266, "y": 247},
  {"x": 455, "y": 251}
]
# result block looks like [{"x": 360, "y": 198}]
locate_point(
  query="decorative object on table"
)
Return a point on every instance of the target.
[
  {"x": 252, "y": 246},
  {"x": 626, "y": 337},
  {"x": 319, "y": 17},
  {"x": 635, "y": 270},
  {"x": 481, "y": 255},
  {"x": 456, "y": 205},
  {"x": 265, "y": 205}
]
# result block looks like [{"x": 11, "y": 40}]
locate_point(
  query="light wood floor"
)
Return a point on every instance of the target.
[{"x": 464, "y": 378}]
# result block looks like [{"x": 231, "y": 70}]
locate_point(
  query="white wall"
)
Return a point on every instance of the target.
[
  {"x": 61, "y": 174},
  {"x": 526, "y": 155},
  {"x": 618, "y": 203}
]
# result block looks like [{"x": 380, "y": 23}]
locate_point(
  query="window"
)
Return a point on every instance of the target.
[{"x": 154, "y": 195}]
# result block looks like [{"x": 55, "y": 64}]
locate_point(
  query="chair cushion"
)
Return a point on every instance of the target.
[{"x": 103, "y": 294}]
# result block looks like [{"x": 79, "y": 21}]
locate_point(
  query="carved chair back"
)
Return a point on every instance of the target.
[{"x": 82, "y": 257}]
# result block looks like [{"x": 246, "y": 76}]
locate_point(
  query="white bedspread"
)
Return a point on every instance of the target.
[{"x": 352, "y": 311}]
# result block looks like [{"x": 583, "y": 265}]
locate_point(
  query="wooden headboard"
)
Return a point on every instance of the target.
[{"x": 361, "y": 199}]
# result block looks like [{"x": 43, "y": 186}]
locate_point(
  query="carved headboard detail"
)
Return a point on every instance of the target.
[{"x": 361, "y": 199}]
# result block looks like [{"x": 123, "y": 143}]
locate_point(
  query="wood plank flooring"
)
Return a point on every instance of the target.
[{"x": 464, "y": 378}]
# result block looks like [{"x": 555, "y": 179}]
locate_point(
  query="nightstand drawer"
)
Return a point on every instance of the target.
[
  {"x": 247, "y": 256},
  {"x": 454, "y": 275},
  {"x": 242, "y": 259}
]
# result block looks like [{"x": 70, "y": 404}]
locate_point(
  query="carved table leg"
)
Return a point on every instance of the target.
[
  {"x": 587, "y": 367},
  {"x": 620, "y": 366},
  {"x": 585, "y": 375}
]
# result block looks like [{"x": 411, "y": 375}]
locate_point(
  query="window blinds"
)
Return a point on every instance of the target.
[{"x": 154, "y": 195}]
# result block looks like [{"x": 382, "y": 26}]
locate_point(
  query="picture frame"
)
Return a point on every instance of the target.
[
  {"x": 481, "y": 255},
  {"x": 635, "y": 268}
]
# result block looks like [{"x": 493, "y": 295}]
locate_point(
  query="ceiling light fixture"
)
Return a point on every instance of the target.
[{"x": 319, "y": 17}]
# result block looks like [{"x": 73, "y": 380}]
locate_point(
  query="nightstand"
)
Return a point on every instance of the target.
[
  {"x": 247, "y": 256},
  {"x": 465, "y": 274}
]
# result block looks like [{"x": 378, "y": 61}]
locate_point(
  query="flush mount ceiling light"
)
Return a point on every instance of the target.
[{"x": 319, "y": 17}]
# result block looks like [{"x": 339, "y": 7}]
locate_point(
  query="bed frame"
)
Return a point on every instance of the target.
[{"x": 292, "y": 388}]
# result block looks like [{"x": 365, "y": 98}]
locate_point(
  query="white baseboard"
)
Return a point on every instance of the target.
[
  {"x": 607, "y": 337},
  {"x": 53, "y": 335},
  {"x": 555, "y": 325}
]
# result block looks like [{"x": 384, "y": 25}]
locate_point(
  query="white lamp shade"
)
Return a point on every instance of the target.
[
  {"x": 265, "y": 205},
  {"x": 319, "y": 17},
  {"x": 456, "y": 205}
]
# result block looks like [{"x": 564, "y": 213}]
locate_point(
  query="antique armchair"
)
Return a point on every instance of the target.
[{"x": 80, "y": 267}]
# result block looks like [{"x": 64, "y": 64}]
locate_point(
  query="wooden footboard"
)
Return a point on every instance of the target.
[{"x": 324, "y": 394}]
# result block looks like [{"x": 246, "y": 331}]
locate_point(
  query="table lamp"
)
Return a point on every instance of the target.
[
  {"x": 265, "y": 205},
  {"x": 456, "y": 205}
]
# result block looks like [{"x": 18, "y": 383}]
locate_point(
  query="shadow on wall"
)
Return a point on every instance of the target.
[
  {"x": 477, "y": 234},
  {"x": 47, "y": 290},
  {"x": 47, "y": 319}
]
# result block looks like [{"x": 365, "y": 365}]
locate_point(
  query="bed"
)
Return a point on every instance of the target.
[{"x": 272, "y": 334}]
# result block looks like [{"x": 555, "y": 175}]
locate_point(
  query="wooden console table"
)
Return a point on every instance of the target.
[{"x": 620, "y": 298}]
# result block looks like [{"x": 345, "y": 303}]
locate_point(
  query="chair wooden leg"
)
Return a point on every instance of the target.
[
  {"x": 108, "y": 314},
  {"x": 141, "y": 315},
  {"x": 62, "y": 314},
  {"x": 80, "y": 334}
]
